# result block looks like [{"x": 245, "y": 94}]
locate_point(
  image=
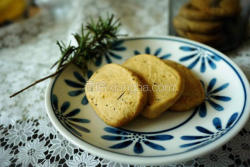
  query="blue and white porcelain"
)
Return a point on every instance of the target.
[{"x": 173, "y": 137}]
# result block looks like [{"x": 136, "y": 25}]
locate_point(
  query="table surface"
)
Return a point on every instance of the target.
[{"x": 27, "y": 138}]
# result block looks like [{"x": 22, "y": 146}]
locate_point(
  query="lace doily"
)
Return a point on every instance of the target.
[{"x": 26, "y": 135}]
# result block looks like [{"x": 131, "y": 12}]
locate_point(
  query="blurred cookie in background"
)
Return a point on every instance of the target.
[
  {"x": 11, "y": 10},
  {"x": 197, "y": 26},
  {"x": 210, "y": 39},
  {"x": 4, "y": 4},
  {"x": 191, "y": 12},
  {"x": 218, "y": 23},
  {"x": 220, "y": 8},
  {"x": 15, "y": 10}
]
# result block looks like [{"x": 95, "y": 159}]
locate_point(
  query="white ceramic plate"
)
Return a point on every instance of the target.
[{"x": 175, "y": 136}]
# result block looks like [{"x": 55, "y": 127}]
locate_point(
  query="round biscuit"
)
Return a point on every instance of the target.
[
  {"x": 221, "y": 8},
  {"x": 203, "y": 38},
  {"x": 193, "y": 93},
  {"x": 190, "y": 12},
  {"x": 206, "y": 27}
]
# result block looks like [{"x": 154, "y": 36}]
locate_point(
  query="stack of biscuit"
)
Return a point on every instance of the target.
[
  {"x": 204, "y": 20},
  {"x": 143, "y": 85}
]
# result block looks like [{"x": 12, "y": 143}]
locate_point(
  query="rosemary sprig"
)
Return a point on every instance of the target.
[{"x": 94, "y": 41}]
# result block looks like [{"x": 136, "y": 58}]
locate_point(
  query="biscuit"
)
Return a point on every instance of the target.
[
  {"x": 4, "y": 4},
  {"x": 193, "y": 93},
  {"x": 190, "y": 12},
  {"x": 203, "y": 38},
  {"x": 184, "y": 24},
  {"x": 115, "y": 94},
  {"x": 221, "y": 8},
  {"x": 165, "y": 84},
  {"x": 13, "y": 11}
]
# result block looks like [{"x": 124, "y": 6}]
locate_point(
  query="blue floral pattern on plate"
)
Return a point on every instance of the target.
[
  {"x": 69, "y": 120},
  {"x": 127, "y": 138},
  {"x": 209, "y": 135},
  {"x": 116, "y": 47},
  {"x": 79, "y": 85},
  {"x": 212, "y": 97},
  {"x": 156, "y": 53},
  {"x": 197, "y": 55}
]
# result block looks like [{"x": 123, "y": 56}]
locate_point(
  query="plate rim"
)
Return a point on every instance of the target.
[{"x": 161, "y": 159}]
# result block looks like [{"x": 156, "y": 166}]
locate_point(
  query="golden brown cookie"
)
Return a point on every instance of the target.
[
  {"x": 196, "y": 26},
  {"x": 190, "y": 12},
  {"x": 221, "y": 8},
  {"x": 165, "y": 84},
  {"x": 4, "y": 4},
  {"x": 115, "y": 94},
  {"x": 13, "y": 11},
  {"x": 193, "y": 93},
  {"x": 203, "y": 38}
]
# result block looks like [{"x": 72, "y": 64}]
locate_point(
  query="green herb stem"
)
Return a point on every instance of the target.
[{"x": 94, "y": 41}]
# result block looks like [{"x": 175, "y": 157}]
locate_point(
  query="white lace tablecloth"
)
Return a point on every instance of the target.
[{"x": 27, "y": 137}]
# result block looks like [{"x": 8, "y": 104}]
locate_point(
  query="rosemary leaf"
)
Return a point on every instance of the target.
[{"x": 93, "y": 42}]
